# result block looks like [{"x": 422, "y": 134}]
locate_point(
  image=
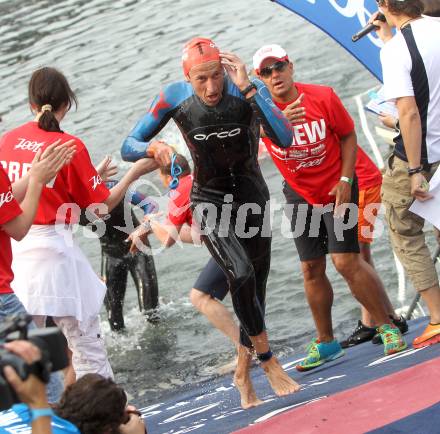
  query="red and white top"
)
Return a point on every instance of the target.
[
  {"x": 77, "y": 183},
  {"x": 179, "y": 206},
  {"x": 312, "y": 165},
  {"x": 9, "y": 210}
]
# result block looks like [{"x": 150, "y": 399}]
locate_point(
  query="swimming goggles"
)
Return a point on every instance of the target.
[{"x": 175, "y": 172}]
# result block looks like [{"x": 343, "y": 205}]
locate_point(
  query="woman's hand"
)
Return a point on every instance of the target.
[
  {"x": 383, "y": 28},
  {"x": 420, "y": 187},
  {"x": 388, "y": 120},
  {"x": 47, "y": 164},
  {"x": 106, "y": 168}
]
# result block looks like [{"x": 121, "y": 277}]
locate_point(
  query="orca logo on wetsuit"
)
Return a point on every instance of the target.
[{"x": 219, "y": 135}]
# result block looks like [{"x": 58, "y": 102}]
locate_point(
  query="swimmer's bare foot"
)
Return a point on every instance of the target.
[
  {"x": 242, "y": 380},
  {"x": 248, "y": 396},
  {"x": 280, "y": 382}
]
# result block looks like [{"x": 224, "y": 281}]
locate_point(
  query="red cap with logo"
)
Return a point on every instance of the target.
[{"x": 198, "y": 51}]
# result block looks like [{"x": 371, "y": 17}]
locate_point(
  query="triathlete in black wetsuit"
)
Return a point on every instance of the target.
[
  {"x": 219, "y": 118},
  {"x": 116, "y": 262}
]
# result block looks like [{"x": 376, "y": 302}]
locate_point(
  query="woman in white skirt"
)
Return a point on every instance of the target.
[{"x": 52, "y": 275}]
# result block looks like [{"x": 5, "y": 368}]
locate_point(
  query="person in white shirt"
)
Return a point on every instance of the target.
[
  {"x": 432, "y": 9},
  {"x": 411, "y": 73}
]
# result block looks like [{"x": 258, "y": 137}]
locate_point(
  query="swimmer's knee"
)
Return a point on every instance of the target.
[{"x": 198, "y": 298}]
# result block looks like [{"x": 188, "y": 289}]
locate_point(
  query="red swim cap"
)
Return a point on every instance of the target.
[{"x": 197, "y": 51}]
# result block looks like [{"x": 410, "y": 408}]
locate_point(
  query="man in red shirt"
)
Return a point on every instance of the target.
[{"x": 322, "y": 195}]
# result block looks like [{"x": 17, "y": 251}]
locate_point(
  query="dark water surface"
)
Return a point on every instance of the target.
[{"x": 116, "y": 55}]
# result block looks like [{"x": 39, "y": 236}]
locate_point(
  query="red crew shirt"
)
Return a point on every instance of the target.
[
  {"x": 77, "y": 183},
  {"x": 367, "y": 172},
  {"x": 312, "y": 165},
  {"x": 179, "y": 211},
  {"x": 9, "y": 210}
]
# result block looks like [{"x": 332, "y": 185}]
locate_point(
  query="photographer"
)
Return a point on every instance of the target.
[
  {"x": 34, "y": 410},
  {"x": 106, "y": 413}
]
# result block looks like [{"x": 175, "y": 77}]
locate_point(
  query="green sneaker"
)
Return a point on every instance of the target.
[
  {"x": 393, "y": 341},
  {"x": 319, "y": 353}
]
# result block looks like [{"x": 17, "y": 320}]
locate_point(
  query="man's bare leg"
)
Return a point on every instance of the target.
[
  {"x": 216, "y": 313},
  {"x": 367, "y": 319},
  {"x": 280, "y": 382},
  {"x": 319, "y": 293},
  {"x": 222, "y": 320},
  {"x": 364, "y": 284}
]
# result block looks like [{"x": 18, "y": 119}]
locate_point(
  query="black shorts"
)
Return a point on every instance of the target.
[
  {"x": 322, "y": 234},
  {"x": 212, "y": 281}
]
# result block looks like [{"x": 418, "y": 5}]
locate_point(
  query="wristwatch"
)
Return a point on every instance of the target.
[
  {"x": 247, "y": 89},
  {"x": 346, "y": 179},
  {"x": 35, "y": 413}
]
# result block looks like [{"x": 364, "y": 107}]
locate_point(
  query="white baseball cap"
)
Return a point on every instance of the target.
[{"x": 272, "y": 51}]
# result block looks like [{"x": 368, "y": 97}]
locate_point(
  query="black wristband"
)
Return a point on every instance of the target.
[
  {"x": 264, "y": 357},
  {"x": 245, "y": 91},
  {"x": 415, "y": 170}
]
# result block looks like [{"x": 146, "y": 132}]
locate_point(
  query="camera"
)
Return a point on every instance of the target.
[{"x": 51, "y": 343}]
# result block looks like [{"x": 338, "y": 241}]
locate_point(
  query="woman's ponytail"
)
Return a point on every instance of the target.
[{"x": 49, "y": 92}]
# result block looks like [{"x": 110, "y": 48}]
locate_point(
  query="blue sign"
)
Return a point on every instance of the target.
[{"x": 341, "y": 19}]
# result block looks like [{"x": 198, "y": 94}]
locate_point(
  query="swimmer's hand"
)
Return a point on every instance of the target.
[
  {"x": 236, "y": 70},
  {"x": 107, "y": 169},
  {"x": 161, "y": 152},
  {"x": 138, "y": 239},
  {"x": 420, "y": 187}
]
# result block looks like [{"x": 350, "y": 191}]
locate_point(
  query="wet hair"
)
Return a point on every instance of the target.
[
  {"x": 94, "y": 404},
  {"x": 49, "y": 86},
  {"x": 432, "y": 8},
  {"x": 182, "y": 162},
  {"x": 411, "y": 8}
]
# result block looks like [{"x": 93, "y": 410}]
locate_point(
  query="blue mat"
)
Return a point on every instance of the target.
[
  {"x": 214, "y": 406},
  {"x": 422, "y": 422}
]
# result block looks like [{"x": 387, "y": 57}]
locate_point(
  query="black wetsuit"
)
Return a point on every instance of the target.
[
  {"x": 116, "y": 262},
  {"x": 223, "y": 141}
]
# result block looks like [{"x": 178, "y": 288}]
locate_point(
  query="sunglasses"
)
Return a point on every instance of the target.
[
  {"x": 279, "y": 66},
  {"x": 175, "y": 172}
]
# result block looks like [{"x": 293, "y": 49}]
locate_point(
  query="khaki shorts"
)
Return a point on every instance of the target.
[{"x": 405, "y": 228}]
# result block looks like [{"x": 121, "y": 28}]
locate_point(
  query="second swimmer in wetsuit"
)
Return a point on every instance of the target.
[
  {"x": 117, "y": 261},
  {"x": 220, "y": 118}
]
